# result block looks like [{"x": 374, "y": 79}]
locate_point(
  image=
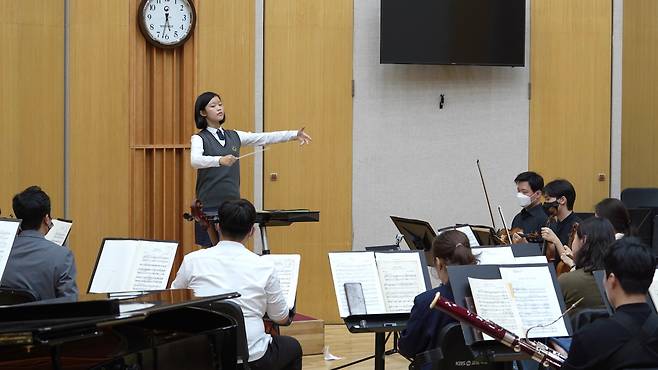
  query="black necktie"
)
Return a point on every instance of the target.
[{"x": 220, "y": 135}]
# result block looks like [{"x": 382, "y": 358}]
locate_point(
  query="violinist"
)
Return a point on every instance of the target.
[
  {"x": 591, "y": 239},
  {"x": 559, "y": 198},
  {"x": 532, "y": 217},
  {"x": 615, "y": 211}
]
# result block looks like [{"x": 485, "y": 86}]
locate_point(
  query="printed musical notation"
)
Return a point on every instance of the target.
[
  {"x": 133, "y": 265},
  {"x": 389, "y": 281}
]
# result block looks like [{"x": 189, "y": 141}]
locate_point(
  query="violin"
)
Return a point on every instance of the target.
[
  {"x": 553, "y": 255},
  {"x": 196, "y": 214}
]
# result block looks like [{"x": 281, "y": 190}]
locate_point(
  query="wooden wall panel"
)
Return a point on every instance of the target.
[
  {"x": 570, "y": 69},
  {"x": 32, "y": 100},
  {"x": 99, "y": 141},
  {"x": 161, "y": 122},
  {"x": 308, "y": 73},
  {"x": 640, "y": 94},
  {"x": 225, "y": 64}
]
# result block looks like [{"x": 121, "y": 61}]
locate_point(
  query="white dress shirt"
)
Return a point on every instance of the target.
[
  {"x": 198, "y": 160},
  {"x": 230, "y": 267}
]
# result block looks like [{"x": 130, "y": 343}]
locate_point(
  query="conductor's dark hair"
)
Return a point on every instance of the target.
[
  {"x": 632, "y": 263},
  {"x": 31, "y": 206},
  {"x": 236, "y": 218},
  {"x": 534, "y": 179},
  {"x": 561, "y": 188},
  {"x": 452, "y": 246},
  {"x": 200, "y": 104},
  {"x": 598, "y": 234},
  {"x": 615, "y": 211}
]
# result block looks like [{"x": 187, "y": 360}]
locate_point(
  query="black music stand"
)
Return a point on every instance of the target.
[
  {"x": 519, "y": 250},
  {"x": 461, "y": 289},
  {"x": 282, "y": 217},
  {"x": 382, "y": 323},
  {"x": 418, "y": 235},
  {"x": 598, "y": 277}
]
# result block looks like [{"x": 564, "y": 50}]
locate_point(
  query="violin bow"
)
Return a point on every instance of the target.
[{"x": 486, "y": 195}]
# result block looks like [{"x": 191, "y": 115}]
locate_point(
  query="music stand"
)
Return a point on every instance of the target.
[
  {"x": 461, "y": 289},
  {"x": 417, "y": 234},
  {"x": 519, "y": 250}
]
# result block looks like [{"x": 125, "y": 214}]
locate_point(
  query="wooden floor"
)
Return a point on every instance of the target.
[{"x": 351, "y": 347}]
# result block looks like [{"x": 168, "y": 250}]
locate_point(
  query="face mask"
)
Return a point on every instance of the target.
[
  {"x": 550, "y": 205},
  {"x": 523, "y": 199}
]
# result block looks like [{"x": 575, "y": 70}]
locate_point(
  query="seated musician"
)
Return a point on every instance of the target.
[
  {"x": 629, "y": 339},
  {"x": 559, "y": 198},
  {"x": 590, "y": 242},
  {"x": 36, "y": 264},
  {"x": 615, "y": 211},
  {"x": 532, "y": 217},
  {"x": 231, "y": 267},
  {"x": 449, "y": 248}
]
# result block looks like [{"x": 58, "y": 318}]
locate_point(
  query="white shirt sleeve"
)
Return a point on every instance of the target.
[
  {"x": 277, "y": 308},
  {"x": 265, "y": 138},
  {"x": 182, "y": 279},
  {"x": 197, "y": 159}
]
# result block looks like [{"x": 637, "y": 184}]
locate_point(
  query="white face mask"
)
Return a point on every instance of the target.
[{"x": 523, "y": 199}]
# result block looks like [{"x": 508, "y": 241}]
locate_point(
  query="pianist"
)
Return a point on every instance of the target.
[
  {"x": 231, "y": 267},
  {"x": 35, "y": 264}
]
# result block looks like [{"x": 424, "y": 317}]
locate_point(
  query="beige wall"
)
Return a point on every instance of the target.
[{"x": 32, "y": 100}]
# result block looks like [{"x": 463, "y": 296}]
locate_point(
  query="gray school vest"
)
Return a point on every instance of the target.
[{"x": 215, "y": 185}]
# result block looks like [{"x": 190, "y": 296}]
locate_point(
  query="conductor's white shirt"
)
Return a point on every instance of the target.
[
  {"x": 198, "y": 160},
  {"x": 230, "y": 267}
]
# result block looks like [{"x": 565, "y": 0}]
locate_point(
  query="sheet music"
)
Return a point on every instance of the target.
[
  {"x": 153, "y": 264},
  {"x": 401, "y": 277},
  {"x": 536, "y": 300},
  {"x": 494, "y": 255},
  {"x": 493, "y": 300},
  {"x": 653, "y": 289},
  {"x": 530, "y": 259},
  {"x": 128, "y": 265},
  {"x": 472, "y": 239},
  {"x": 353, "y": 267},
  {"x": 8, "y": 230},
  {"x": 59, "y": 232},
  {"x": 287, "y": 267}
]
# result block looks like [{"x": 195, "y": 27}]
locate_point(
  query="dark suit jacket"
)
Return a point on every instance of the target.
[{"x": 41, "y": 266}]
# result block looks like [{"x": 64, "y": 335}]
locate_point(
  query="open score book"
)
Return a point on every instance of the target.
[
  {"x": 390, "y": 280},
  {"x": 126, "y": 265},
  {"x": 522, "y": 298},
  {"x": 287, "y": 268}
]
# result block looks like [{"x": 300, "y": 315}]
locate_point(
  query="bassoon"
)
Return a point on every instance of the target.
[{"x": 537, "y": 350}]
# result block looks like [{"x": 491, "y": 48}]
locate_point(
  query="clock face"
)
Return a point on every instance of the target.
[{"x": 167, "y": 23}]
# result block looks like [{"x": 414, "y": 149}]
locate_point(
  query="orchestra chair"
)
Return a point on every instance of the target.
[
  {"x": 452, "y": 353},
  {"x": 11, "y": 296},
  {"x": 587, "y": 316},
  {"x": 233, "y": 312},
  {"x": 640, "y": 197}
]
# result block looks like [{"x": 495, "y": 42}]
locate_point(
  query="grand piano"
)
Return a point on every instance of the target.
[{"x": 163, "y": 330}]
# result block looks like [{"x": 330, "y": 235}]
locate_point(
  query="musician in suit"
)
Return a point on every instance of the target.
[
  {"x": 532, "y": 216},
  {"x": 214, "y": 153},
  {"x": 36, "y": 264},
  {"x": 629, "y": 339},
  {"x": 231, "y": 267},
  {"x": 421, "y": 334}
]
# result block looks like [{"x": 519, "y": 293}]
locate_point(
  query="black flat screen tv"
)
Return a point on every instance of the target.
[{"x": 470, "y": 32}]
